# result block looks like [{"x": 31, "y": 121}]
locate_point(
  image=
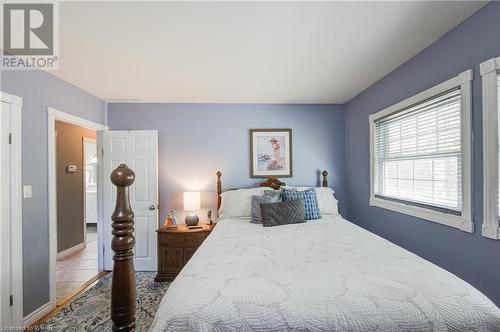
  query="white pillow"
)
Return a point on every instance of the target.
[
  {"x": 238, "y": 203},
  {"x": 328, "y": 204}
]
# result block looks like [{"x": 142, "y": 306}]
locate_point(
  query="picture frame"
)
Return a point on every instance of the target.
[{"x": 271, "y": 153}]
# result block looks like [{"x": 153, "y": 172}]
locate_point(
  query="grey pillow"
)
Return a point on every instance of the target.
[
  {"x": 272, "y": 192},
  {"x": 269, "y": 196},
  {"x": 283, "y": 213}
]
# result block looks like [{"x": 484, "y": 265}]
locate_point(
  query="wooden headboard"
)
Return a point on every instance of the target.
[{"x": 271, "y": 182}]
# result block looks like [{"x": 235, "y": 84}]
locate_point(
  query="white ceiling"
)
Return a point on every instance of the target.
[{"x": 244, "y": 52}]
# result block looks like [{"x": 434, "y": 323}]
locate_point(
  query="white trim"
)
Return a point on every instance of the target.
[
  {"x": 466, "y": 102},
  {"x": 463, "y": 222},
  {"x": 15, "y": 249},
  {"x": 372, "y": 159},
  {"x": 17, "y": 208},
  {"x": 427, "y": 214},
  {"x": 73, "y": 119},
  {"x": 52, "y": 198},
  {"x": 491, "y": 65},
  {"x": 37, "y": 314},
  {"x": 70, "y": 251},
  {"x": 459, "y": 80},
  {"x": 11, "y": 99},
  {"x": 491, "y": 226},
  {"x": 52, "y": 116}
]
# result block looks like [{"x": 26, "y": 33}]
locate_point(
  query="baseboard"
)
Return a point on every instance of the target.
[
  {"x": 70, "y": 251},
  {"x": 37, "y": 314}
]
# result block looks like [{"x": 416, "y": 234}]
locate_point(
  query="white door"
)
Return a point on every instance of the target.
[
  {"x": 11, "y": 301},
  {"x": 139, "y": 150}
]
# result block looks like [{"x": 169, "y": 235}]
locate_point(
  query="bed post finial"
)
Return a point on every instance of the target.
[
  {"x": 123, "y": 298},
  {"x": 325, "y": 179},
  {"x": 219, "y": 191}
]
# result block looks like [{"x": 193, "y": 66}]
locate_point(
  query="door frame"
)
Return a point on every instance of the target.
[
  {"x": 54, "y": 115},
  {"x": 15, "y": 206}
]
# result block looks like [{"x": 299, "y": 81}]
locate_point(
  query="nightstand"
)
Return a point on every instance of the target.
[{"x": 176, "y": 246}]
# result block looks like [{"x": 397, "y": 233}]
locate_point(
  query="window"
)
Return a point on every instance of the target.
[
  {"x": 420, "y": 155},
  {"x": 490, "y": 72}
]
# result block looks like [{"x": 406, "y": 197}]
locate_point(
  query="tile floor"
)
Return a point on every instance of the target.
[{"x": 74, "y": 271}]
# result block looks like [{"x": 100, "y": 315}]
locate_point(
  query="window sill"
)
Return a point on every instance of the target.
[
  {"x": 450, "y": 220},
  {"x": 491, "y": 231}
]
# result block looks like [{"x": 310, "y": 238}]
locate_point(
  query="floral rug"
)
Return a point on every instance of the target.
[{"x": 92, "y": 310}]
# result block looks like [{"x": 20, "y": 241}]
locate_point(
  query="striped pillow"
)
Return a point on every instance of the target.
[{"x": 311, "y": 207}]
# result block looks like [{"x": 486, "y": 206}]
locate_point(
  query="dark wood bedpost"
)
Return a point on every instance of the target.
[
  {"x": 123, "y": 284},
  {"x": 273, "y": 182},
  {"x": 325, "y": 179},
  {"x": 219, "y": 191}
]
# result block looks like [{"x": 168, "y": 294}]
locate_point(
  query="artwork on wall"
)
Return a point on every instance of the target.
[{"x": 270, "y": 153}]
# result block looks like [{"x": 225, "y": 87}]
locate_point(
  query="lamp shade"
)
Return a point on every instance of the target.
[{"x": 192, "y": 200}]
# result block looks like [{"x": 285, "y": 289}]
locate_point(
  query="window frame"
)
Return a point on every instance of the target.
[
  {"x": 463, "y": 221},
  {"x": 491, "y": 224}
]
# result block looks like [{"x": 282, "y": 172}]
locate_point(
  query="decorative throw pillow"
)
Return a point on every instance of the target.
[
  {"x": 283, "y": 213},
  {"x": 328, "y": 204},
  {"x": 270, "y": 196},
  {"x": 311, "y": 207}
]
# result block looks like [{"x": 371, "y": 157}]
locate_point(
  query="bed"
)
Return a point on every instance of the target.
[{"x": 323, "y": 275}]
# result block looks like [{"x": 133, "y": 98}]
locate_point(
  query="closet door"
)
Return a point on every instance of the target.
[{"x": 11, "y": 255}]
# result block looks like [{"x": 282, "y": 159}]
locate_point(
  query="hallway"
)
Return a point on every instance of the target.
[{"x": 77, "y": 270}]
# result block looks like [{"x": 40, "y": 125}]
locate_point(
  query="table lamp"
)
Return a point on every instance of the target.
[{"x": 192, "y": 202}]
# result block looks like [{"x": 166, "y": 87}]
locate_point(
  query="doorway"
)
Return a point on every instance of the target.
[
  {"x": 76, "y": 165},
  {"x": 74, "y": 214},
  {"x": 90, "y": 194}
]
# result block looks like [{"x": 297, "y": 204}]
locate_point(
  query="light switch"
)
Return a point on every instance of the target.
[{"x": 27, "y": 192}]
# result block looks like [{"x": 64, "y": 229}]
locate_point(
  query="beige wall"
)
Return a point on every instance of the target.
[{"x": 70, "y": 186}]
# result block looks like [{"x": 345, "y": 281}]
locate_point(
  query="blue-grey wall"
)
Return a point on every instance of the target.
[
  {"x": 40, "y": 90},
  {"x": 196, "y": 140},
  {"x": 470, "y": 256}
]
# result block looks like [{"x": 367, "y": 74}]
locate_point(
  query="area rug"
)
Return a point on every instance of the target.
[{"x": 92, "y": 310}]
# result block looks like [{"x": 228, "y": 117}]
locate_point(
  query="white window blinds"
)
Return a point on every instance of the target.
[{"x": 418, "y": 154}]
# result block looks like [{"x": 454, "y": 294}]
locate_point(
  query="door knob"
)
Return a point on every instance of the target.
[{"x": 152, "y": 207}]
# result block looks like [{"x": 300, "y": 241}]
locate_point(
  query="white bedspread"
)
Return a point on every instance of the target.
[{"x": 327, "y": 275}]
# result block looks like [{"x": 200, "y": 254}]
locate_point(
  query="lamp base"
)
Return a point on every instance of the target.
[{"x": 192, "y": 220}]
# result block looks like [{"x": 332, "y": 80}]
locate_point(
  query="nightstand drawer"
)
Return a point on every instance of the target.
[{"x": 176, "y": 240}]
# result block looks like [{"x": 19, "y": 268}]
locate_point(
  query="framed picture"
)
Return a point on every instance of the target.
[{"x": 270, "y": 153}]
